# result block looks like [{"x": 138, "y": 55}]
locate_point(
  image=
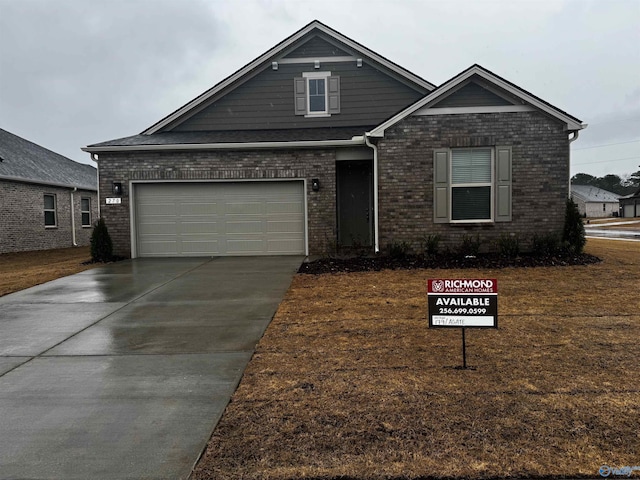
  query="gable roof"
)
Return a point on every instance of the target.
[
  {"x": 25, "y": 161},
  {"x": 589, "y": 193},
  {"x": 264, "y": 61},
  {"x": 572, "y": 123}
]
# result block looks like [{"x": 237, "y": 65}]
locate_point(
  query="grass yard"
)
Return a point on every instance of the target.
[
  {"x": 348, "y": 381},
  {"x": 26, "y": 269}
]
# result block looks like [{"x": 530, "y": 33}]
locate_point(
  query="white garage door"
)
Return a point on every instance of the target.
[
  {"x": 203, "y": 219},
  {"x": 629, "y": 211}
]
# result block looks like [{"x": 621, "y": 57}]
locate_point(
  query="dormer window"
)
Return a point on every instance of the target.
[{"x": 317, "y": 94}]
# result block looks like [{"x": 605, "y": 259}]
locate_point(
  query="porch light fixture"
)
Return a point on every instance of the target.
[
  {"x": 315, "y": 184},
  {"x": 117, "y": 188},
  {"x": 274, "y": 65},
  {"x": 316, "y": 64}
]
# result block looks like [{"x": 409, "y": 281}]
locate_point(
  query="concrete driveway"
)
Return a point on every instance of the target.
[{"x": 122, "y": 372}]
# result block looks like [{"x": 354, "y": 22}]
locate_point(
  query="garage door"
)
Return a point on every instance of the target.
[
  {"x": 629, "y": 211},
  {"x": 203, "y": 219}
]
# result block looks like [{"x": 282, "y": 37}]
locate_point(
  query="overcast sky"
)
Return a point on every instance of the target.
[{"x": 77, "y": 72}]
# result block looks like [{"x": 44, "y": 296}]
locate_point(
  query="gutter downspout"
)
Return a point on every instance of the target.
[
  {"x": 576, "y": 134},
  {"x": 376, "y": 246},
  {"x": 94, "y": 157},
  {"x": 73, "y": 219}
]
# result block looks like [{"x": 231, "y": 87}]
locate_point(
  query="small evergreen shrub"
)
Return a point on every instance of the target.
[
  {"x": 508, "y": 246},
  {"x": 432, "y": 244},
  {"x": 398, "y": 249},
  {"x": 470, "y": 246},
  {"x": 101, "y": 245},
  {"x": 573, "y": 234},
  {"x": 546, "y": 245}
]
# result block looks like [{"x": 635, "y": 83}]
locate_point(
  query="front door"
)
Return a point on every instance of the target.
[{"x": 355, "y": 200}]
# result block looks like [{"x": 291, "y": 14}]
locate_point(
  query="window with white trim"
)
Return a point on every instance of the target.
[
  {"x": 50, "y": 215},
  {"x": 471, "y": 184},
  {"x": 85, "y": 211},
  {"x": 317, "y": 94}
]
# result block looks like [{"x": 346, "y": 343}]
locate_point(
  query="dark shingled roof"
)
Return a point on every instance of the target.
[
  {"x": 237, "y": 136},
  {"x": 25, "y": 161}
]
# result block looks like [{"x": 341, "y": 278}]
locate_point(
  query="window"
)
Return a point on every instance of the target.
[
  {"x": 317, "y": 94},
  {"x": 85, "y": 211},
  {"x": 472, "y": 185},
  {"x": 50, "y": 211}
]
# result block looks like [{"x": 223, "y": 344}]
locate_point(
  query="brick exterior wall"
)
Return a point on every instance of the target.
[
  {"x": 540, "y": 172},
  {"x": 222, "y": 165},
  {"x": 540, "y": 176},
  {"x": 22, "y": 217}
]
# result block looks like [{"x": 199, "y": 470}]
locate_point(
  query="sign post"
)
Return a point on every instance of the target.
[{"x": 463, "y": 303}]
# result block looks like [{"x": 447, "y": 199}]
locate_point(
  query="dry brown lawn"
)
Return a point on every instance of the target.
[
  {"x": 349, "y": 381},
  {"x": 26, "y": 269}
]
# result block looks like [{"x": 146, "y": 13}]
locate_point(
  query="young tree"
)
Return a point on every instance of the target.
[
  {"x": 573, "y": 234},
  {"x": 101, "y": 245}
]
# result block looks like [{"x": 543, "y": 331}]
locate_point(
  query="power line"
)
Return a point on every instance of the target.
[
  {"x": 606, "y": 145},
  {"x": 605, "y": 161}
]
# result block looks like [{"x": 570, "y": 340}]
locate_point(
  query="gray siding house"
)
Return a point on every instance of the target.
[
  {"x": 630, "y": 205},
  {"x": 321, "y": 145},
  {"x": 48, "y": 201},
  {"x": 595, "y": 202}
]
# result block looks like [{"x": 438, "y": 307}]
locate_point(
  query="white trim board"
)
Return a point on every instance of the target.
[{"x": 425, "y": 111}]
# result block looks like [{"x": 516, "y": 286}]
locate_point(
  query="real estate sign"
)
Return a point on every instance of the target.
[{"x": 463, "y": 302}]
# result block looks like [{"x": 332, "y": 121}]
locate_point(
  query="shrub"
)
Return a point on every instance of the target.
[
  {"x": 470, "y": 246},
  {"x": 508, "y": 246},
  {"x": 101, "y": 245},
  {"x": 546, "y": 245},
  {"x": 432, "y": 245},
  {"x": 573, "y": 234},
  {"x": 398, "y": 249}
]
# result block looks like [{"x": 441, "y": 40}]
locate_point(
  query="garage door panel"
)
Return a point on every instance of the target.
[
  {"x": 158, "y": 229},
  {"x": 284, "y": 207},
  {"x": 226, "y": 218},
  {"x": 250, "y": 227},
  {"x": 191, "y": 227},
  {"x": 199, "y": 208},
  {"x": 245, "y": 247},
  {"x": 284, "y": 227}
]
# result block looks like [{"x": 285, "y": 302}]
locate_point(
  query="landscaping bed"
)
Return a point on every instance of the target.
[
  {"x": 349, "y": 382},
  {"x": 443, "y": 261}
]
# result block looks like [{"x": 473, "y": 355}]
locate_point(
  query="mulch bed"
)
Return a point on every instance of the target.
[{"x": 445, "y": 261}]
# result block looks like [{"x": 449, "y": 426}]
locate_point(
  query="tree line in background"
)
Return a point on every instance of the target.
[{"x": 624, "y": 185}]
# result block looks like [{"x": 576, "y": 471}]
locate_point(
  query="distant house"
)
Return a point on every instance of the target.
[
  {"x": 48, "y": 200},
  {"x": 630, "y": 205},
  {"x": 321, "y": 144},
  {"x": 594, "y": 201}
]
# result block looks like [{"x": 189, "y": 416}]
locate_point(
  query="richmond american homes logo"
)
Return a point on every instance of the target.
[{"x": 463, "y": 286}]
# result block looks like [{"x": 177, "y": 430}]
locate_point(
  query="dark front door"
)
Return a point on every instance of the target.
[{"x": 355, "y": 200}]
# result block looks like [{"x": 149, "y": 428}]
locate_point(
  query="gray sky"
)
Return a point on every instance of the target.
[{"x": 76, "y": 72}]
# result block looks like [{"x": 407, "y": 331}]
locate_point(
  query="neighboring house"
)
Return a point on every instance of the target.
[
  {"x": 595, "y": 202},
  {"x": 321, "y": 144},
  {"x": 48, "y": 201},
  {"x": 630, "y": 205}
]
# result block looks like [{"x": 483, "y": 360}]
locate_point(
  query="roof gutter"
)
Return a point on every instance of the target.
[
  {"x": 354, "y": 141},
  {"x": 44, "y": 182}
]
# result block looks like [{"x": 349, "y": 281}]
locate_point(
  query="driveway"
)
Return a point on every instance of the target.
[{"x": 122, "y": 372}]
